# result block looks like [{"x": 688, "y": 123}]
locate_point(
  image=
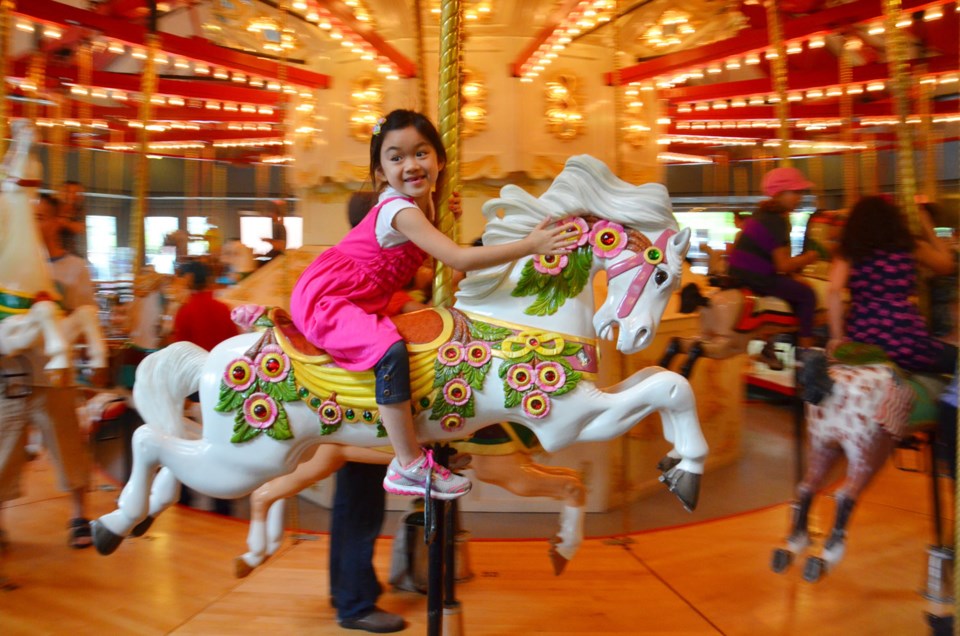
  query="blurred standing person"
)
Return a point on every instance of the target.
[{"x": 73, "y": 219}]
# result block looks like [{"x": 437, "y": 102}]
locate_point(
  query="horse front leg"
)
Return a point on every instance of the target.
[
  {"x": 670, "y": 394},
  {"x": 83, "y": 321},
  {"x": 519, "y": 474}
]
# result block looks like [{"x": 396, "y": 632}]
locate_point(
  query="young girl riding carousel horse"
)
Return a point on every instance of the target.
[{"x": 335, "y": 302}]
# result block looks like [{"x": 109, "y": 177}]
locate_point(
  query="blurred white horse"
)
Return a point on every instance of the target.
[{"x": 29, "y": 314}]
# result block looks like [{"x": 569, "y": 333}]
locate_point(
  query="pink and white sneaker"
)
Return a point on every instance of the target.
[{"x": 412, "y": 480}]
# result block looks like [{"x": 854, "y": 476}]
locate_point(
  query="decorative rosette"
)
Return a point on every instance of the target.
[
  {"x": 477, "y": 354},
  {"x": 550, "y": 264},
  {"x": 608, "y": 239},
  {"x": 653, "y": 255},
  {"x": 550, "y": 376},
  {"x": 272, "y": 364},
  {"x": 536, "y": 404},
  {"x": 239, "y": 374},
  {"x": 583, "y": 229},
  {"x": 457, "y": 392},
  {"x": 245, "y": 316},
  {"x": 520, "y": 377},
  {"x": 330, "y": 412},
  {"x": 260, "y": 411},
  {"x": 451, "y": 422},
  {"x": 451, "y": 354}
]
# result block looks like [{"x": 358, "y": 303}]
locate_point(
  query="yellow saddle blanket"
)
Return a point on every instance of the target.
[{"x": 318, "y": 376}]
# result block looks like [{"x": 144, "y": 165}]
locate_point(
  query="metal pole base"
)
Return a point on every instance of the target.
[
  {"x": 939, "y": 575},
  {"x": 452, "y": 619}
]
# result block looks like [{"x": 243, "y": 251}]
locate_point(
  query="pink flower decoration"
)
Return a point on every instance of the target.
[
  {"x": 451, "y": 422},
  {"x": 477, "y": 353},
  {"x": 550, "y": 376},
  {"x": 239, "y": 374},
  {"x": 520, "y": 377},
  {"x": 245, "y": 315},
  {"x": 260, "y": 410},
  {"x": 536, "y": 404},
  {"x": 608, "y": 239},
  {"x": 582, "y": 226},
  {"x": 451, "y": 354},
  {"x": 330, "y": 412},
  {"x": 551, "y": 264},
  {"x": 457, "y": 392},
  {"x": 272, "y": 364}
]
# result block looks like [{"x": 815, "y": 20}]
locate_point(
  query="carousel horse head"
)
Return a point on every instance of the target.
[{"x": 626, "y": 230}]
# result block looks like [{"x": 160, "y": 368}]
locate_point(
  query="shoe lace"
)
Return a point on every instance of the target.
[{"x": 442, "y": 471}]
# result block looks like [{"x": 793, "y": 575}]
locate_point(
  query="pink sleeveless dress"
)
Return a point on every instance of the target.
[{"x": 336, "y": 300}]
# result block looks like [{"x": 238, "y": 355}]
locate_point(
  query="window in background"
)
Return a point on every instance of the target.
[
  {"x": 253, "y": 229},
  {"x": 294, "y": 225},
  {"x": 102, "y": 247},
  {"x": 156, "y": 229},
  {"x": 197, "y": 227}
]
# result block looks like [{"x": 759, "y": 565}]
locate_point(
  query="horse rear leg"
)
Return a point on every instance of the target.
[
  {"x": 525, "y": 478},
  {"x": 133, "y": 504},
  {"x": 163, "y": 494},
  {"x": 860, "y": 472}
]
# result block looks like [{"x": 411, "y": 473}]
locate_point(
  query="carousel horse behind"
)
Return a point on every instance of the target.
[
  {"x": 862, "y": 411},
  {"x": 29, "y": 315},
  {"x": 519, "y": 345},
  {"x": 509, "y": 465}
]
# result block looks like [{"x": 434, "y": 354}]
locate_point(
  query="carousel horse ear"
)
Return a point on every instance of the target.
[{"x": 681, "y": 240}]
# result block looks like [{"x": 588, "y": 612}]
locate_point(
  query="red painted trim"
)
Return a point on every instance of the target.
[
  {"x": 198, "y": 49},
  {"x": 548, "y": 28},
  {"x": 749, "y": 40},
  {"x": 344, "y": 14},
  {"x": 770, "y": 385}
]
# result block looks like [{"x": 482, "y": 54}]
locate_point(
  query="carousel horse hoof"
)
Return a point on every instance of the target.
[
  {"x": 814, "y": 569},
  {"x": 141, "y": 528},
  {"x": 667, "y": 462},
  {"x": 104, "y": 540},
  {"x": 782, "y": 559},
  {"x": 241, "y": 569},
  {"x": 558, "y": 561},
  {"x": 683, "y": 484}
]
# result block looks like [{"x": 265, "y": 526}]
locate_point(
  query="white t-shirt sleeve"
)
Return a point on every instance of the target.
[{"x": 387, "y": 235}]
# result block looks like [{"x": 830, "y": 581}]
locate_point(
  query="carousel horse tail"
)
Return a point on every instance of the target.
[{"x": 163, "y": 380}]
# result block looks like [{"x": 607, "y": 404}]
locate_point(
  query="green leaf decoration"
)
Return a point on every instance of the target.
[
  {"x": 272, "y": 389},
  {"x": 487, "y": 332},
  {"x": 327, "y": 429},
  {"x": 263, "y": 320},
  {"x": 381, "y": 432},
  {"x": 571, "y": 348},
  {"x": 573, "y": 379},
  {"x": 229, "y": 400},
  {"x": 466, "y": 411},
  {"x": 288, "y": 388},
  {"x": 440, "y": 408},
  {"x": 511, "y": 397},
  {"x": 242, "y": 431},
  {"x": 553, "y": 291},
  {"x": 281, "y": 428},
  {"x": 476, "y": 376},
  {"x": 445, "y": 373}
]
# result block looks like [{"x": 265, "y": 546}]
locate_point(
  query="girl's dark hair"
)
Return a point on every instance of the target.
[
  {"x": 875, "y": 223},
  {"x": 398, "y": 120}
]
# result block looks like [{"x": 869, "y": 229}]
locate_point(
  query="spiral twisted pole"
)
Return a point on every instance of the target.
[
  {"x": 451, "y": 40},
  {"x": 779, "y": 67}
]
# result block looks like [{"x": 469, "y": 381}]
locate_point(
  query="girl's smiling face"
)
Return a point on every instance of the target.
[{"x": 408, "y": 162}]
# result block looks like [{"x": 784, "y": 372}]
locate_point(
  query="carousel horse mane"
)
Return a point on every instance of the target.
[{"x": 584, "y": 186}]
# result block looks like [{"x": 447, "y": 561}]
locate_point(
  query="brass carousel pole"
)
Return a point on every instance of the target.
[
  {"x": 84, "y": 113},
  {"x": 451, "y": 37},
  {"x": 851, "y": 189},
  {"x": 141, "y": 173},
  {"x": 779, "y": 66},
  {"x": 6, "y": 6},
  {"x": 421, "y": 57}
]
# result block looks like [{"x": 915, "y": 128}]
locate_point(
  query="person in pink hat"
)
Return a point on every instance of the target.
[{"x": 761, "y": 258}]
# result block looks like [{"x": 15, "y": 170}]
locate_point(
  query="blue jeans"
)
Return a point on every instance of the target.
[{"x": 354, "y": 526}]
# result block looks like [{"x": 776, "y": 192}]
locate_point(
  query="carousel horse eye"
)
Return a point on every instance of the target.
[{"x": 661, "y": 277}]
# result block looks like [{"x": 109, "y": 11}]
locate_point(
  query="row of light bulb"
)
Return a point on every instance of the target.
[{"x": 585, "y": 16}]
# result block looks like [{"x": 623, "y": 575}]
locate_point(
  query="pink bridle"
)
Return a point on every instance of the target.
[{"x": 647, "y": 262}]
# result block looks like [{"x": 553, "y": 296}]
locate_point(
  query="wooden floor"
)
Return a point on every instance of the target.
[{"x": 707, "y": 578}]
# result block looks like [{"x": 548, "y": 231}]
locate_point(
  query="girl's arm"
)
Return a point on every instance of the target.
[
  {"x": 839, "y": 274},
  {"x": 931, "y": 250},
  {"x": 786, "y": 264},
  {"x": 544, "y": 239}
]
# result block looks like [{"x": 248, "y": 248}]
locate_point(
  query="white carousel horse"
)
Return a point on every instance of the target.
[
  {"x": 28, "y": 314},
  {"x": 511, "y": 469},
  {"x": 496, "y": 356},
  {"x": 860, "y": 412}
]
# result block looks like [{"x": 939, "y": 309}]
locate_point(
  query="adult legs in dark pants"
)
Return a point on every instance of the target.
[{"x": 355, "y": 524}]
